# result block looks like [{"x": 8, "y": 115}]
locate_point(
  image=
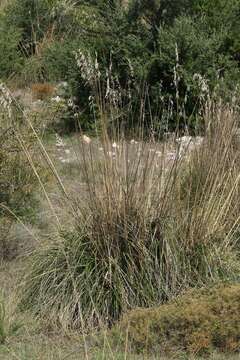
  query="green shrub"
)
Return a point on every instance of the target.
[
  {"x": 34, "y": 20},
  {"x": 59, "y": 63},
  {"x": 11, "y": 57},
  {"x": 138, "y": 43},
  {"x": 189, "y": 64},
  {"x": 58, "y": 60},
  {"x": 142, "y": 34},
  {"x": 32, "y": 72}
]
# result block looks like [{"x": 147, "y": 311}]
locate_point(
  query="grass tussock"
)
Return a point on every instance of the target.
[
  {"x": 145, "y": 228},
  {"x": 198, "y": 322}
]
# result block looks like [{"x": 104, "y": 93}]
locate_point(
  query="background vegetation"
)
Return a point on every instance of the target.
[{"x": 154, "y": 49}]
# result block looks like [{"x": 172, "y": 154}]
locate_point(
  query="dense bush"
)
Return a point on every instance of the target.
[
  {"x": 39, "y": 20},
  {"x": 11, "y": 59},
  {"x": 199, "y": 322},
  {"x": 154, "y": 48},
  {"x": 189, "y": 64}
]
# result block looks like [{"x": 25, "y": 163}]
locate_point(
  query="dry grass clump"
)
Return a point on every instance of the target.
[
  {"x": 205, "y": 219},
  {"x": 111, "y": 257},
  {"x": 145, "y": 228},
  {"x": 42, "y": 91},
  {"x": 198, "y": 322}
]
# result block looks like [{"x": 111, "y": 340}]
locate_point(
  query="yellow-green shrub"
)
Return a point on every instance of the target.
[{"x": 199, "y": 321}]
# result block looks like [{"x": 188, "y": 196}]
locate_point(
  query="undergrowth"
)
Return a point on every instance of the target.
[
  {"x": 199, "y": 322},
  {"x": 17, "y": 179}
]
